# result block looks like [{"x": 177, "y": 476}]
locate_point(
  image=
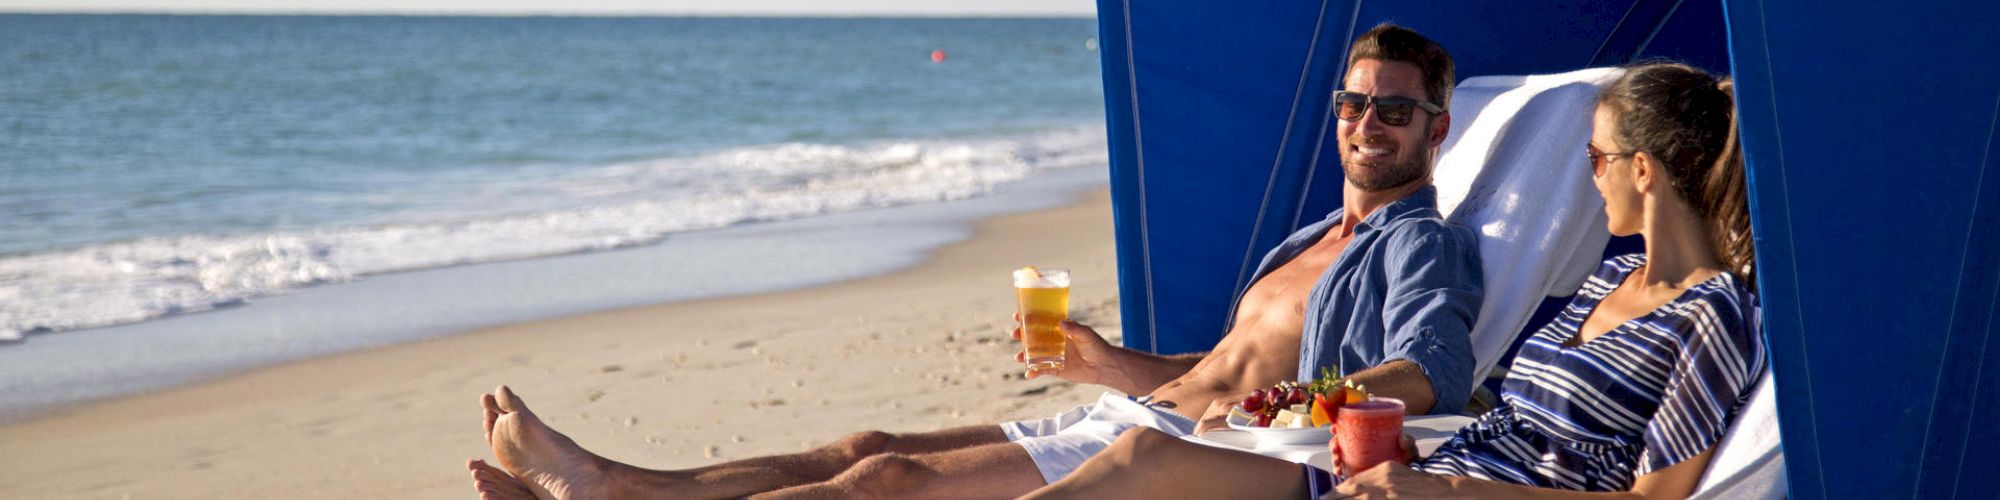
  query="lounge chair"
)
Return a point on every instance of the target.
[{"x": 1514, "y": 170}]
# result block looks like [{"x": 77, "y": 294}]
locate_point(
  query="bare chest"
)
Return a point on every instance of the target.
[{"x": 1282, "y": 294}]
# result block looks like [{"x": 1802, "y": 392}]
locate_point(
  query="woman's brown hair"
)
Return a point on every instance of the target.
[{"x": 1686, "y": 119}]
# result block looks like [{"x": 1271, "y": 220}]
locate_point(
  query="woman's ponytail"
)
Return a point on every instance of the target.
[{"x": 1725, "y": 196}]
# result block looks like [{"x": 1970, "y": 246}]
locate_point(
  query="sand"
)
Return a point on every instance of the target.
[{"x": 668, "y": 386}]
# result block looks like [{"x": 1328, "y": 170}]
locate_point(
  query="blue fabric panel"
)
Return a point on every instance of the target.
[
  {"x": 1200, "y": 95},
  {"x": 1694, "y": 33},
  {"x": 1875, "y": 235}
]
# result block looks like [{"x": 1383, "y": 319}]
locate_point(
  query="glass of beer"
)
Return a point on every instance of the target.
[
  {"x": 1044, "y": 303},
  {"x": 1369, "y": 433}
]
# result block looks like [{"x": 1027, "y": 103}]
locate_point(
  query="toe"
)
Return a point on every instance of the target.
[
  {"x": 492, "y": 483},
  {"x": 491, "y": 413},
  {"x": 490, "y": 476},
  {"x": 491, "y": 403},
  {"x": 486, "y": 421},
  {"x": 509, "y": 403}
]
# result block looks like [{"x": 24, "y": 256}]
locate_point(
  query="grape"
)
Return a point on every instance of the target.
[
  {"x": 1296, "y": 396},
  {"x": 1255, "y": 402}
]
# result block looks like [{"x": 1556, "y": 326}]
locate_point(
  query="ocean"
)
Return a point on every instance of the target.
[{"x": 155, "y": 166}]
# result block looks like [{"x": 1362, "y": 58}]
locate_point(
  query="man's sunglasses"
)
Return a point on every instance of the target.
[{"x": 1390, "y": 110}]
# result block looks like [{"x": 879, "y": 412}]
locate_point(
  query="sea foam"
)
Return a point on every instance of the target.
[{"x": 576, "y": 210}]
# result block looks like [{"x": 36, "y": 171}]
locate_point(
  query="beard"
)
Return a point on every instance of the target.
[{"x": 1377, "y": 175}]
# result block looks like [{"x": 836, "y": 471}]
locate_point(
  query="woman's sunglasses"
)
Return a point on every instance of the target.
[
  {"x": 1391, "y": 111},
  {"x": 1599, "y": 158}
]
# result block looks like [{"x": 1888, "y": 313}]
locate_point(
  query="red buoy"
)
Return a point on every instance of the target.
[{"x": 937, "y": 56}]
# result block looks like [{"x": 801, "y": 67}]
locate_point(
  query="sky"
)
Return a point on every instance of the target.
[{"x": 1073, "y": 8}]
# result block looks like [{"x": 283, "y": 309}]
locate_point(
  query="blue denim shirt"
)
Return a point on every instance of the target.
[{"x": 1408, "y": 286}]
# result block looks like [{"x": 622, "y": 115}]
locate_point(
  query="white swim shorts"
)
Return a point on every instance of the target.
[{"x": 1061, "y": 443}]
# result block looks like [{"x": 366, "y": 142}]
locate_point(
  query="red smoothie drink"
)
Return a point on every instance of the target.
[{"x": 1369, "y": 433}]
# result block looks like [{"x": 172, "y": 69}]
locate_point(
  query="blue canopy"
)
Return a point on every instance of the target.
[{"x": 1868, "y": 131}]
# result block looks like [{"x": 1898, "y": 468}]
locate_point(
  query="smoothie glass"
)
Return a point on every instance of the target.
[{"x": 1369, "y": 433}]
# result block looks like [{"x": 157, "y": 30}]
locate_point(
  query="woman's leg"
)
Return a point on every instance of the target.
[{"x": 1145, "y": 463}]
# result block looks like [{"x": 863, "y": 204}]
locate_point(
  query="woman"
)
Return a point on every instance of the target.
[{"x": 1627, "y": 391}]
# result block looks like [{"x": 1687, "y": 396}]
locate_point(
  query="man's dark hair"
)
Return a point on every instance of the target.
[{"x": 1389, "y": 42}]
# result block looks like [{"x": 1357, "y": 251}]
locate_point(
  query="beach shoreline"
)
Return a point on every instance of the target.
[
  {"x": 664, "y": 386},
  {"x": 67, "y": 369}
]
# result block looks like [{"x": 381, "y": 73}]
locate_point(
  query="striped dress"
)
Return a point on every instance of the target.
[{"x": 1646, "y": 395}]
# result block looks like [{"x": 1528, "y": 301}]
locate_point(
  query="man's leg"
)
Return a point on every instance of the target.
[
  {"x": 1002, "y": 470},
  {"x": 554, "y": 467},
  {"x": 1145, "y": 463}
]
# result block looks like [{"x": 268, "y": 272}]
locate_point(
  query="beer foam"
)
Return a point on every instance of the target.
[{"x": 1030, "y": 277}]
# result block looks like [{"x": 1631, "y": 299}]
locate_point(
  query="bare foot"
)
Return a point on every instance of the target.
[
  {"x": 495, "y": 484},
  {"x": 545, "y": 461}
]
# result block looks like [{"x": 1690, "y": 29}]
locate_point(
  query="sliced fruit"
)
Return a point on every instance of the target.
[
  {"x": 1354, "y": 394},
  {"x": 1028, "y": 272},
  {"x": 1322, "y": 413}
]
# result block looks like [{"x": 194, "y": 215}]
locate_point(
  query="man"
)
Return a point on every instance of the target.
[{"x": 1382, "y": 288}]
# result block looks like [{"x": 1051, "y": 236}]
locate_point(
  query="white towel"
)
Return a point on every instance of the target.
[
  {"x": 1514, "y": 170},
  {"x": 1748, "y": 463}
]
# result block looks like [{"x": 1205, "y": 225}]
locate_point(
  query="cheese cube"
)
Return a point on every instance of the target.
[
  {"x": 1238, "y": 413},
  {"x": 1284, "y": 419}
]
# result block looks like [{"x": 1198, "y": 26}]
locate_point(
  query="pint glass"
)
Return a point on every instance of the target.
[{"x": 1043, "y": 296}]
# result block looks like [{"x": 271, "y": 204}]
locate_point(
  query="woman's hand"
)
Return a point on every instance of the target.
[
  {"x": 1409, "y": 452},
  {"x": 1393, "y": 480}
]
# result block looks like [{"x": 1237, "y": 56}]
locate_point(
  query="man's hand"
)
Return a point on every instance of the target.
[
  {"x": 1217, "y": 415},
  {"x": 1087, "y": 358}
]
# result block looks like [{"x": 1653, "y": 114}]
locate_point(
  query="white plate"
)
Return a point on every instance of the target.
[{"x": 1283, "y": 435}]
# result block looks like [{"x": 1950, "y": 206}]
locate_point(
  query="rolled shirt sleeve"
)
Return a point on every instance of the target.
[{"x": 1433, "y": 298}]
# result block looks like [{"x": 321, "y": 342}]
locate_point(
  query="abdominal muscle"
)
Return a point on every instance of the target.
[{"x": 1262, "y": 348}]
